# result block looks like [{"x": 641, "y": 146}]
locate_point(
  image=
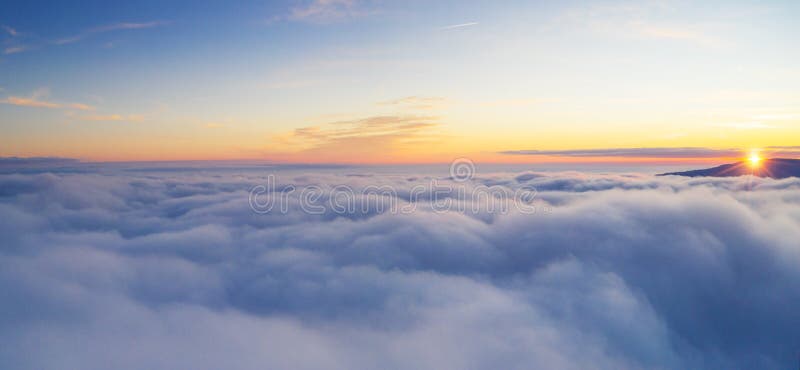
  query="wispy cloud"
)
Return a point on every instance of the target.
[
  {"x": 644, "y": 20},
  {"x": 114, "y": 118},
  {"x": 369, "y": 137},
  {"x": 460, "y": 25},
  {"x": 36, "y": 101},
  {"x": 13, "y": 40},
  {"x": 32, "y": 102},
  {"x": 10, "y": 30},
  {"x": 127, "y": 26},
  {"x": 15, "y": 49},
  {"x": 80, "y": 106},
  {"x": 15, "y": 45},
  {"x": 791, "y": 151},
  {"x": 109, "y": 28},
  {"x": 417, "y": 102},
  {"x": 686, "y": 152},
  {"x": 325, "y": 11},
  {"x": 642, "y": 29}
]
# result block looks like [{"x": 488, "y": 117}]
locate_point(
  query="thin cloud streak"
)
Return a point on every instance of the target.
[
  {"x": 783, "y": 151},
  {"x": 34, "y": 102},
  {"x": 687, "y": 152},
  {"x": 417, "y": 102},
  {"x": 324, "y": 11},
  {"x": 109, "y": 28},
  {"x": 361, "y": 138},
  {"x": 638, "y": 21},
  {"x": 75, "y": 38},
  {"x": 114, "y": 118},
  {"x": 15, "y": 49},
  {"x": 29, "y": 102},
  {"x": 460, "y": 25},
  {"x": 80, "y": 106},
  {"x": 10, "y": 30}
]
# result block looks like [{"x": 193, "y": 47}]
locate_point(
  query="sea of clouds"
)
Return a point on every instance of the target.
[{"x": 174, "y": 269}]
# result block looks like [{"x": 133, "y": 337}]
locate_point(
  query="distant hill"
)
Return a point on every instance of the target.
[{"x": 774, "y": 168}]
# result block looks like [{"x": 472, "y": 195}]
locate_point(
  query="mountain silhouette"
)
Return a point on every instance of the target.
[{"x": 777, "y": 168}]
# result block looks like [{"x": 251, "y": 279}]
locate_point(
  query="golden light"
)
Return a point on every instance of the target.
[{"x": 754, "y": 159}]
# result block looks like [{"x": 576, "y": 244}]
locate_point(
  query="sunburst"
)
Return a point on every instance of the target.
[{"x": 755, "y": 160}]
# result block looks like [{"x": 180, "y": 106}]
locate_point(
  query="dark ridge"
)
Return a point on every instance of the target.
[{"x": 777, "y": 168}]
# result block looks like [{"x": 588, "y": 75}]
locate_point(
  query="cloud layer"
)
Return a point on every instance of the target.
[
  {"x": 634, "y": 152},
  {"x": 167, "y": 269},
  {"x": 686, "y": 152}
]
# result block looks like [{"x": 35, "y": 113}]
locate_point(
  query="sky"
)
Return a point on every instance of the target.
[{"x": 348, "y": 81}]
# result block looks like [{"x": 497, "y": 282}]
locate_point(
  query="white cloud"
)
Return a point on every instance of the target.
[
  {"x": 460, "y": 25},
  {"x": 418, "y": 102},
  {"x": 676, "y": 152},
  {"x": 109, "y": 28},
  {"x": 114, "y": 117},
  {"x": 642, "y": 20},
  {"x": 11, "y": 31},
  {"x": 36, "y": 101},
  {"x": 325, "y": 11},
  {"x": 15, "y": 49},
  {"x": 128, "y": 268}
]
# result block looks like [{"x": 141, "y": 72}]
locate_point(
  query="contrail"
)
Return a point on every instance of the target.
[{"x": 450, "y": 27}]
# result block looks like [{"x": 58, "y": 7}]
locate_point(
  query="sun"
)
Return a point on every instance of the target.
[{"x": 755, "y": 159}]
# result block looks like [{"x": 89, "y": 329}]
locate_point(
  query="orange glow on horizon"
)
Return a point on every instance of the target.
[{"x": 488, "y": 158}]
